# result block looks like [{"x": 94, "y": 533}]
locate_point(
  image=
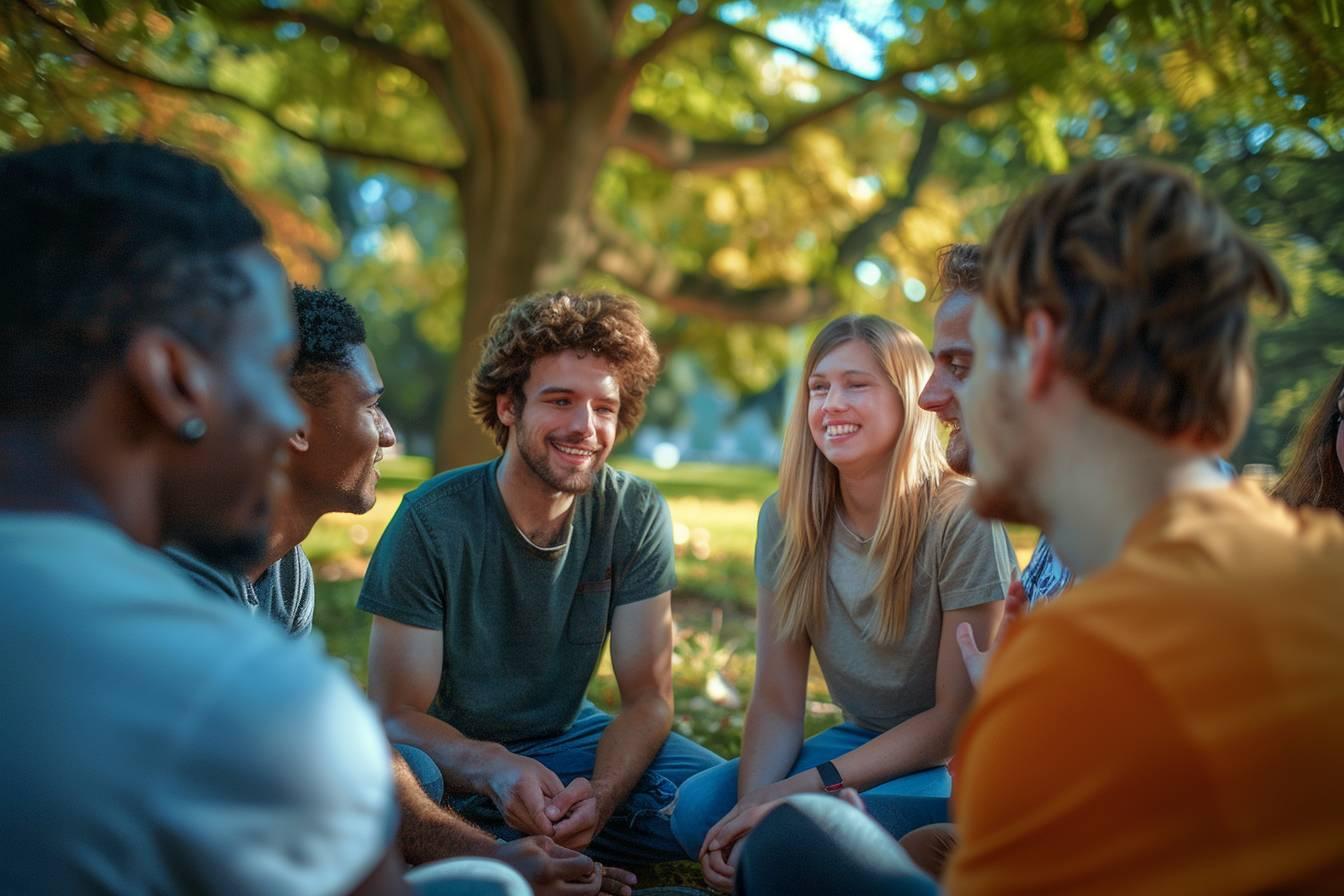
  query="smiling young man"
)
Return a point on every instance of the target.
[
  {"x": 960, "y": 279},
  {"x": 332, "y": 461},
  {"x": 496, "y": 585}
]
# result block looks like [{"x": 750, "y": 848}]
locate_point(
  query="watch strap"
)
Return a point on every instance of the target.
[{"x": 831, "y": 781}]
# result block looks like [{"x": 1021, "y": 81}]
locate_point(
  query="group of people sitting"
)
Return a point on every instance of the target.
[{"x": 1155, "y": 706}]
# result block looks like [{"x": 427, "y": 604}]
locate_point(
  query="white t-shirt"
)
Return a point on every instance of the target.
[{"x": 161, "y": 741}]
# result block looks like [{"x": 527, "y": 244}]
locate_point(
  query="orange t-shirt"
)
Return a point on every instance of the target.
[{"x": 1175, "y": 724}]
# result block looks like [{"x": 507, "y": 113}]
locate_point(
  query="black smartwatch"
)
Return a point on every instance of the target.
[{"x": 830, "y": 777}]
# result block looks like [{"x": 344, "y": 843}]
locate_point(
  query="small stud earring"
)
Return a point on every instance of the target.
[{"x": 191, "y": 430}]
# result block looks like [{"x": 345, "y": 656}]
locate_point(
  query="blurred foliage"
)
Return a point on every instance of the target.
[{"x": 763, "y": 169}]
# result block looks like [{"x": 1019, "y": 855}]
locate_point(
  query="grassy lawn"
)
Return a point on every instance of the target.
[{"x": 714, "y": 510}]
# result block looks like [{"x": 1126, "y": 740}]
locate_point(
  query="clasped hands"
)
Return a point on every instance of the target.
[{"x": 532, "y": 800}]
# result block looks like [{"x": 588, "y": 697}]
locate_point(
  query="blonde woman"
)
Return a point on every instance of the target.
[{"x": 870, "y": 556}]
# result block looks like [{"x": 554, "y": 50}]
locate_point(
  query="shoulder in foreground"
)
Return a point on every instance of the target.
[
  {"x": 623, "y": 484},
  {"x": 209, "y": 577},
  {"x": 953, "y": 496}
]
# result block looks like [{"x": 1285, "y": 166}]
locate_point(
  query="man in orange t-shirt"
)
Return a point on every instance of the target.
[{"x": 1176, "y": 725}]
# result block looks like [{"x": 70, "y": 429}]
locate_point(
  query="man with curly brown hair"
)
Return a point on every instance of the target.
[{"x": 496, "y": 585}]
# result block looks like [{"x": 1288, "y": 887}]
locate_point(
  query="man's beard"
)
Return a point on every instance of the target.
[
  {"x": 576, "y": 483},
  {"x": 1007, "y": 499},
  {"x": 959, "y": 453}
]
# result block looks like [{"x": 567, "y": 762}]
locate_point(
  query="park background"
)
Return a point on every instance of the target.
[{"x": 746, "y": 168}]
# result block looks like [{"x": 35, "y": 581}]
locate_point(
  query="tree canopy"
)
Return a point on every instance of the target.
[{"x": 744, "y": 166}]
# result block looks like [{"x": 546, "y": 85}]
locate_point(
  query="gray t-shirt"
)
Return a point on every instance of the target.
[
  {"x": 962, "y": 561},
  {"x": 157, "y": 741},
  {"x": 522, "y": 627},
  {"x": 284, "y": 593}
]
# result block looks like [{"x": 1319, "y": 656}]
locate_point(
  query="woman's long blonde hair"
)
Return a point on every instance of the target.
[{"x": 809, "y": 486}]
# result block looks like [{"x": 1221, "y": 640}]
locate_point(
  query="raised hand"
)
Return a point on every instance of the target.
[{"x": 1014, "y": 606}]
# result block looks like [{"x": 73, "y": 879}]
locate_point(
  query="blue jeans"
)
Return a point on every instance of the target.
[
  {"x": 426, "y": 771},
  {"x": 899, "y": 805},
  {"x": 639, "y": 832}
]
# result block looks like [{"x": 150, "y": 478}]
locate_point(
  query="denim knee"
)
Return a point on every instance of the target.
[
  {"x": 426, "y": 771},
  {"x": 702, "y": 800}
]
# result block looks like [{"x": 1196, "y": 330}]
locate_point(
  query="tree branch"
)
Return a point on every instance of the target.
[
  {"x": 668, "y": 148},
  {"x": 735, "y": 31},
  {"x": 583, "y": 30},
  {"x": 679, "y": 28},
  {"x": 617, "y": 12},
  {"x": 489, "y": 79},
  {"x": 702, "y": 296},
  {"x": 860, "y": 237},
  {"x": 84, "y": 45},
  {"x": 426, "y": 68},
  {"x": 643, "y": 268},
  {"x": 779, "y": 305}
]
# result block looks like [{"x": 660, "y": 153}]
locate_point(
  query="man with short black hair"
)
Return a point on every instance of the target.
[{"x": 332, "y": 461}]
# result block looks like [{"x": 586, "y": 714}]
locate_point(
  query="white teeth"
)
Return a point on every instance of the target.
[
  {"x": 577, "y": 452},
  {"x": 841, "y": 430}
]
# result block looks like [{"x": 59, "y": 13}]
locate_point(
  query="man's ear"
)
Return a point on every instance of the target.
[
  {"x": 1040, "y": 336},
  {"x": 171, "y": 377},
  {"x": 505, "y": 409},
  {"x": 300, "y": 441}
]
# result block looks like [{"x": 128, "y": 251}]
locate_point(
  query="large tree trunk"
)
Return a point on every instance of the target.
[{"x": 525, "y": 231}]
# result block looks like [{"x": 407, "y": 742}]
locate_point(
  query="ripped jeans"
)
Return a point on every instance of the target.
[{"x": 640, "y": 830}]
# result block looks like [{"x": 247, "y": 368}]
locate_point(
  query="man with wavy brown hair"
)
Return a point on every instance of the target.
[
  {"x": 1194, "y": 720},
  {"x": 1175, "y": 725},
  {"x": 496, "y": 585}
]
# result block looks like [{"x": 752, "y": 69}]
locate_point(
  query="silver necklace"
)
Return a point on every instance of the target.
[
  {"x": 840, "y": 518},
  {"x": 554, "y": 547}
]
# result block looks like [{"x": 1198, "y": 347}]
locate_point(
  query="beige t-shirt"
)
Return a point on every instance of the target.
[{"x": 962, "y": 561}]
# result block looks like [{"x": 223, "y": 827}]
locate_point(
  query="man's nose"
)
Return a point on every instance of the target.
[
  {"x": 386, "y": 436},
  {"x": 934, "y": 394},
  {"x": 583, "y": 419}
]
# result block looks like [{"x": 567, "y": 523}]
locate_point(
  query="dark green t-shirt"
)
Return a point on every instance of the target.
[{"x": 522, "y": 627}]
